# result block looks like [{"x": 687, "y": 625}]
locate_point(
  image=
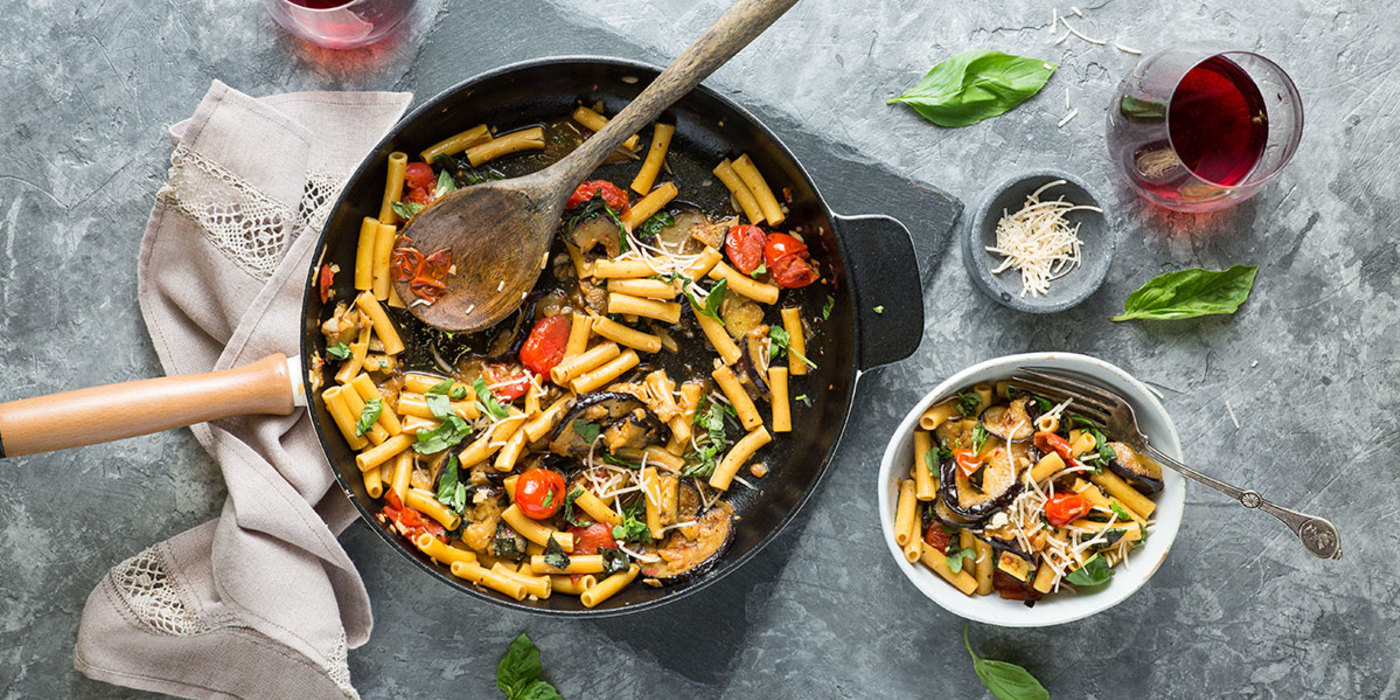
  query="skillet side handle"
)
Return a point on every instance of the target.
[
  {"x": 884, "y": 275},
  {"x": 117, "y": 411}
]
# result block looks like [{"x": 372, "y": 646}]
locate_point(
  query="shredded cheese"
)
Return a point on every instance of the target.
[
  {"x": 1039, "y": 242},
  {"x": 1068, "y": 117}
]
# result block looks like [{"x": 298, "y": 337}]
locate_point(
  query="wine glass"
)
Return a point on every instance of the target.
[
  {"x": 1200, "y": 127},
  {"x": 339, "y": 24}
]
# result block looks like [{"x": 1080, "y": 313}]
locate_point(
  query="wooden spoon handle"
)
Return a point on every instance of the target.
[
  {"x": 117, "y": 411},
  {"x": 738, "y": 26}
]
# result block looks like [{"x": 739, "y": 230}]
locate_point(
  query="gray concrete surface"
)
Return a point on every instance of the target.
[{"x": 1238, "y": 610}]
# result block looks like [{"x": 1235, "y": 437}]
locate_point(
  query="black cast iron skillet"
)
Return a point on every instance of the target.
[{"x": 870, "y": 260}]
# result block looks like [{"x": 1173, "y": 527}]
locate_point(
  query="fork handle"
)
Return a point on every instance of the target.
[{"x": 1318, "y": 535}]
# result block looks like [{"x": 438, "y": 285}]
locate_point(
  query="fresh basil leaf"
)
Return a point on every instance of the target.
[
  {"x": 879, "y": 309},
  {"x": 632, "y": 529},
  {"x": 440, "y": 405},
  {"x": 762, "y": 268},
  {"x": 458, "y": 392},
  {"x": 452, "y": 431},
  {"x": 956, "y": 559},
  {"x": 1081, "y": 421},
  {"x": 1095, "y": 572},
  {"x": 968, "y": 402},
  {"x": 979, "y": 437},
  {"x": 614, "y": 560},
  {"x": 1190, "y": 293},
  {"x": 652, "y": 226},
  {"x": 451, "y": 491},
  {"x": 779, "y": 340},
  {"x": 976, "y": 85},
  {"x": 620, "y": 462},
  {"x": 442, "y": 387},
  {"x": 554, "y": 555},
  {"x": 1118, "y": 510},
  {"x": 931, "y": 462},
  {"x": 710, "y": 306},
  {"x": 569, "y": 507},
  {"x": 804, "y": 399},
  {"x": 339, "y": 351},
  {"x": 518, "y": 673},
  {"x": 1044, "y": 403},
  {"x": 445, "y": 184},
  {"x": 368, "y": 415},
  {"x": 406, "y": 210},
  {"x": 1005, "y": 680},
  {"x": 463, "y": 174},
  {"x": 1137, "y": 111},
  {"x": 587, "y": 431},
  {"x": 488, "y": 400},
  {"x": 828, "y": 306}
]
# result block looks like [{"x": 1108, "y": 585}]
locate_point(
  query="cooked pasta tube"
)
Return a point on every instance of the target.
[
  {"x": 534, "y": 531},
  {"x": 537, "y": 586},
  {"x": 378, "y": 362},
  {"x": 608, "y": 587},
  {"x": 492, "y": 440},
  {"x": 662, "y": 390},
  {"x": 913, "y": 550},
  {"x": 394, "y": 299},
  {"x": 666, "y": 311},
  {"x": 743, "y": 405},
  {"x": 474, "y": 572},
  {"x": 905, "y": 514},
  {"x": 646, "y": 288},
  {"x": 656, "y": 155},
  {"x": 651, "y": 491},
  {"x": 1047, "y": 423},
  {"x": 741, "y": 283},
  {"x": 925, "y": 486},
  {"x": 797, "y": 341},
  {"x": 984, "y": 396},
  {"x": 1120, "y": 490},
  {"x": 531, "y": 139},
  {"x": 443, "y": 553},
  {"x": 621, "y": 269},
  {"x": 718, "y": 337},
  {"x": 364, "y": 386},
  {"x": 509, "y": 453},
  {"x": 782, "y": 408},
  {"x": 545, "y": 421},
  {"x": 1083, "y": 442},
  {"x": 418, "y": 383},
  {"x": 351, "y": 367},
  {"x": 737, "y": 456},
  {"x": 414, "y": 425},
  {"x": 681, "y": 425},
  {"x": 735, "y": 184},
  {"x": 654, "y": 454},
  {"x": 650, "y": 204},
  {"x": 709, "y": 257},
  {"x": 578, "y": 564},
  {"x": 590, "y": 359},
  {"x": 1048, "y": 466},
  {"x": 457, "y": 143},
  {"x": 393, "y": 187},
  {"x": 579, "y": 330},
  {"x": 1044, "y": 579},
  {"x": 364, "y": 254},
  {"x": 403, "y": 471},
  {"x": 383, "y": 254},
  {"x": 631, "y": 337},
  {"x": 425, "y": 503},
  {"x": 374, "y": 482},
  {"x": 1095, "y": 497},
  {"x": 566, "y": 585},
  {"x": 748, "y": 172},
  {"x": 595, "y": 378},
  {"x": 383, "y": 327},
  {"x": 417, "y": 405},
  {"x": 356, "y": 403},
  {"x": 597, "y": 509},
  {"x": 986, "y": 565},
  {"x": 936, "y": 560},
  {"x": 595, "y": 122},
  {"x": 938, "y": 414},
  {"x": 383, "y": 452},
  {"x": 582, "y": 268}
]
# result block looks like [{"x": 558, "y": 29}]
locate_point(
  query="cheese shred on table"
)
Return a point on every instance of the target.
[{"x": 1039, "y": 242}]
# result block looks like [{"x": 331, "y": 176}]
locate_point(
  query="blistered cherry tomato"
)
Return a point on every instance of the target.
[
  {"x": 1050, "y": 442},
  {"x": 544, "y": 348},
  {"x": 937, "y": 537},
  {"x": 588, "y": 540},
  {"x": 613, "y": 195},
  {"x": 781, "y": 245},
  {"x": 792, "y": 272},
  {"x": 419, "y": 176},
  {"x": 744, "y": 246},
  {"x": 1065, "y": 507},
  {"x": 508, "y": 383},
  {"x": 324, "y": 281},
  {"x": 539, "y": 493},
  {"x": 968, "y": 462}
]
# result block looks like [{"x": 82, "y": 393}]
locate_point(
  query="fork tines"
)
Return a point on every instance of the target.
[{"x": 1088, "y": 400}]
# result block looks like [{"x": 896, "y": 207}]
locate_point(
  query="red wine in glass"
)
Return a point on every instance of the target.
[
  {"x": 339, "y": 24},
  {"x": 1193, "y": 128}
]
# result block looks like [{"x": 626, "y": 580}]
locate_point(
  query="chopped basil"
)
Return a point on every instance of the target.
[
  {"x": 1044, "y": 403},
  {"x": 1095, "y": 572},
  {"x": 439, "y": 404},
  {"x": 620, "y": 462},
  {"x": 587, "y": 431},
  {"x": 554, "y": 554},
  {"x": 452, "y": 431},
  {"x": 458, "y": 392},
  {"x": 759, "y": 270},
  {"x": 441, "y": 387},
  {"x": 445, "y": 184},
  {"x": 451, "y": 491},
  {"x": 569, "y": 507},
  {"x": 931, "y": 462},
  {"x": 368, "y": 415},
  {"x": 979, "y": 438},
  {"x": 339, "y": 351},
  {"x": 614, "y": 560},
  {"x": 406, "y": 210},
  {"x": 632, "y": 529},
  {"x": 1118, "y": 510},
  {"x": 804, "y": 399},
  {"x": 548, "y": 499},
  {"x": 879, "y": 309},
  {"x": 488, "y": 400},
  {"x": 828, "y": 306},
  {"x": 709, "y": 416},
  {"x": 652, "y": 226},
  {"x": 968, "y": 402},
  {"x": 956, "y": 558},
  {"x": 710, "y": 306},
  {"x": 780, "y": 340}
]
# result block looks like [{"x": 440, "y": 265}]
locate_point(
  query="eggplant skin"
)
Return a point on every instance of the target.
[
  {"x": 716, "y": 534},
  {"x": 945, "y": 515},
  {"x": 566, "y": 441},
  {"x": 1129, "y": 466},
  {"x": 948, "y": 493}
]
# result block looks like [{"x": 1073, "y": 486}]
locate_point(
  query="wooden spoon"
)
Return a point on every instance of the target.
[{"x": 500, "y": 232}]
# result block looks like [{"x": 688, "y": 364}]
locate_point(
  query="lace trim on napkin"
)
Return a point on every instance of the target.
[
  {"x": 250, "y": 228},
  {"x": 151, "y": 596}
]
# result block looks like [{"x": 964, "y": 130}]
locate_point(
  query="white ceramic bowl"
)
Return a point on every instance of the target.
[{"x": 1062, "y": 607}]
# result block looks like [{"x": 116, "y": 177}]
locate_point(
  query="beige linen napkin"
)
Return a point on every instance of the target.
[{"x": 261, "y": 602}]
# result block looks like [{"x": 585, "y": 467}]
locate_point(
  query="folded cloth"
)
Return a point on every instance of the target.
[{"x": 262, "y": 601}]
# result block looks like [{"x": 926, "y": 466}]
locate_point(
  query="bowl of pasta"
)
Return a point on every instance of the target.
[{"x": 1006, "y": 507}]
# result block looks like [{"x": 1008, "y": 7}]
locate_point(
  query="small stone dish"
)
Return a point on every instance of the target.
[{"x": 1095, "y": 230}]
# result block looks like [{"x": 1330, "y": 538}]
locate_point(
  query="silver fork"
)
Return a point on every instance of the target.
[{"x": 1115, "y": 416}]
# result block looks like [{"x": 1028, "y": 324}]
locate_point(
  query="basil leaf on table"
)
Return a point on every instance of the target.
[
  {"x": 976, "y": 85},
  {"x": 518, "y": 673},
  {"x": 1006, "y": 680},
  {"x": 1190, "y": 293}
]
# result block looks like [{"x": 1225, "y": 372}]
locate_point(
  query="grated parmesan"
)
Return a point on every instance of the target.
[{"x": 1039, "y": 242}]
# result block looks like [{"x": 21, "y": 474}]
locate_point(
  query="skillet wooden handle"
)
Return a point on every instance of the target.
[
  {"x": 117, "y": 411},
  {"x": 738, "y": 26}
]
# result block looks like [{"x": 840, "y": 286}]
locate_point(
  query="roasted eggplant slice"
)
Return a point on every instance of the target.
[
  {"x": 1144, "y": 474},
  {"x": 622, "y": 420},
  {"x": 594, "y": 228},
  {"x": 683, "y": 558},
  {"x": 951, "y": 519},
  {"x": 754, "y": 365},
  {"x": 1009, "y": 422},
  {"x": 1000, "y": 486}
]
